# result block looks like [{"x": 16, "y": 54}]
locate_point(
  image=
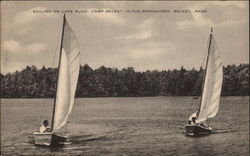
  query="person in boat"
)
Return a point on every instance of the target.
[
  {"x": 45, "y": 127},
  {"x": 192, "y": 121}
]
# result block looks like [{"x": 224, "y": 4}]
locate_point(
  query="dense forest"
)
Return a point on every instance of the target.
[{"x": 111, "y": 82}]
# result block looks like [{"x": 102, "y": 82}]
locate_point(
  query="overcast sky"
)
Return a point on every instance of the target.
[{"x": 159, "y": 41}]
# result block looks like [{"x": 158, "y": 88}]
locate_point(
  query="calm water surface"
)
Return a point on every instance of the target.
[{"x": 127, "y": 126}]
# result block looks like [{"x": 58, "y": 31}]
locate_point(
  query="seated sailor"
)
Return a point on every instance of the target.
[
  {"x": 45, "y": 127},
  {"x": 192, "y": 121}
]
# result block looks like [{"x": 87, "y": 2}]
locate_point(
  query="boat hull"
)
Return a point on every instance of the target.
[
  {"x": 196, "y": 130},
  {"x": 49, "y": 139}
]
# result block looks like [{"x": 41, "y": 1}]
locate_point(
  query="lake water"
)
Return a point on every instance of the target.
[{"x": 127, "y": 126}]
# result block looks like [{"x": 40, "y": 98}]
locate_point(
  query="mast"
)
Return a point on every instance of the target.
[
  {"x": 60, "y": 53},
  {"x": 204, "y": 76}
]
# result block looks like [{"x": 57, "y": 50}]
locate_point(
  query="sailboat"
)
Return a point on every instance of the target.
[
  {"x": 211, "y": 91},
  {"x": 67, "y": 77}
]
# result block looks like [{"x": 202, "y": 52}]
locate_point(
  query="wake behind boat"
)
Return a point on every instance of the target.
[
  {"x": 211, "y": 90},
  {"x": 67, "y": 77}
]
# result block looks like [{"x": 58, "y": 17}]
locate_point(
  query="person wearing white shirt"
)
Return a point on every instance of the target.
[{"x": 45, "y": 127}]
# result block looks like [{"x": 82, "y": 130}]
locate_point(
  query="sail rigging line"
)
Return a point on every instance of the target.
[
  {"x": 65, "y": 129},
  {"x": 205, "y": 56},
  {"x": 53, "y": 62},
  {"x": 205, "y": 70},
  {"x": 52, "y": 66},
  {"x": 218, "y": 51},
  {"x": 219, "y": 56},
  {"x": 42, "y": 116},
  {"x": 60, "y": 55},
  {"x": 217, "y": 68},
  {"x": 74, "y": 58}
]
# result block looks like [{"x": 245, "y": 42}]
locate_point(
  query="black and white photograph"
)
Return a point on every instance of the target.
[{"x": 124, "y": 78}]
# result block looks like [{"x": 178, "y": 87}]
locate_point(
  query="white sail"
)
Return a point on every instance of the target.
[
  {"x": 212, "y": 85},
  {"x": 68, "y": 76},
  {"x": 193, "y": 115}
]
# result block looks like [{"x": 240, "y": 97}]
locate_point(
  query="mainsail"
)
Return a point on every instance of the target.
[
  {"x": 69, "y": 65},
  {"x": 210, "y": 99}
]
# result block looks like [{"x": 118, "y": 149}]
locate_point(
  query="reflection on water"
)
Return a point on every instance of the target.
[{"x": 127, "y": 126}]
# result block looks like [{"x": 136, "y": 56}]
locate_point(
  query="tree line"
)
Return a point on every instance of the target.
[{"x": 111, "y": 82}]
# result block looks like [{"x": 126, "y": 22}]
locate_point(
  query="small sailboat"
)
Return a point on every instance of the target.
[
  {"x": 67, "y": 77},
  {"x": 211, "y": 91}
]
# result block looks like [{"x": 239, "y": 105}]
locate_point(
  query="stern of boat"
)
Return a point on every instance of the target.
[
  {"x": 42, "y": 138},
  {"x": 49, "y": 139}
]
